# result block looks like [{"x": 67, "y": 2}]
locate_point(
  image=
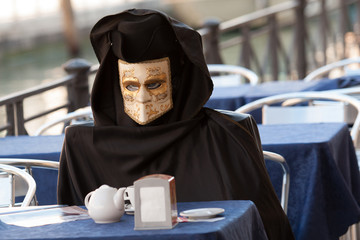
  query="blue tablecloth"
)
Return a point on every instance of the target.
[
  {"x": 324, "y": 188},
  {"x": 324, "y": 196},
  {"x": 242, "y": 221},
  {"x": 231, "y": 98}
]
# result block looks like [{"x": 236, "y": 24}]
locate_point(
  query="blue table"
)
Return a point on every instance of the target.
[
  {"x": 231, "y": 98},
  {"x": 324, "y": 188},
  {"x": 242, "y": 221},
  {"x": 324, "y": 196}
]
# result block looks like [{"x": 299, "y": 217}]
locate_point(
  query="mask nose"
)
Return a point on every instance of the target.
[{"x": 143, "y": 95}]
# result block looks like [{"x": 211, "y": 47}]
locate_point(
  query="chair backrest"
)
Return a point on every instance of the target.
[
  {"x": 8, "y": 184},
  {"x": 28, "y": 164},
  {"x": 232, "y": 75},
  {"x": 329, "y": 67},
  {"x": 307, "y": 96},
  {"x": 303, "y": 114},
  {"x": 271, "y": 156},
  {"x": 79, "y": 116}
]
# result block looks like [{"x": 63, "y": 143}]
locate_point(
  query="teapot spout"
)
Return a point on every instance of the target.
[{"x": 119, "y": 198}]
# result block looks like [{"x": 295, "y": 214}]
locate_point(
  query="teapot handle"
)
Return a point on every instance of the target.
[{"x": 86, "y": 200}]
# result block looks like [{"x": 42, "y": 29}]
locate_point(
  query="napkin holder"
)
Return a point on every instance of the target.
[{"x": 155, "y": 202}]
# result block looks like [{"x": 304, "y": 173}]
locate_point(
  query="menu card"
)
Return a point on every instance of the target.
[{"x": 42, "y": 215}]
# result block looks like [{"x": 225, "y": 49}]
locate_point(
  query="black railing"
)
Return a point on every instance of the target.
[
  {"x": 77, "y": 86},
  {"x": 314, "y": 36}
]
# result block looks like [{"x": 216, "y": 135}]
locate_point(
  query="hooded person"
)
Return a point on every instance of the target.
[{"x": 147, "y": 101}]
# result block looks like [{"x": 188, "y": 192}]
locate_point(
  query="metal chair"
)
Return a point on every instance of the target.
[
  {"x": 232, "y": 75},
  {"x": 289, "y": 99},
  {"x": 79, "y": 116},
  {"x": 9, "y": 184},
  {"x": 28, "y": 164},
  {"x": 329, "y": 67},
  {"x": 271, "y": 156}
]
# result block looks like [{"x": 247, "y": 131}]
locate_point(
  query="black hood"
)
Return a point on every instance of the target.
[{"x": 138, "y": 35}]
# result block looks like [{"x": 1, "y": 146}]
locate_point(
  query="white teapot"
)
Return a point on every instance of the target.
[{"x": 105, "y": 204}]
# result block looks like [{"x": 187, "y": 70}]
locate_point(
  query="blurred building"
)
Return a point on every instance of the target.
[{"x": 24, "y": 23}]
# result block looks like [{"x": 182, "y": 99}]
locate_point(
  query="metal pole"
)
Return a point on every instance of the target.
[
  {"x": 301, "y": 63},
  {"x": 211, "y": 42},
  {"x": 78, "y": 91}
]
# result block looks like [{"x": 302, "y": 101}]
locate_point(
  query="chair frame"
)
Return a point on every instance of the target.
[
  {"x": 238, "y": 70},
  {"x": 14, "y": 171},
  {"x": 28, "y": 164},
  {"x": 286, "y": 176},
  {"x": 82, "y": 112},
  {"x": 308, "y": 96},
  {"x": 327, "y": 68}
]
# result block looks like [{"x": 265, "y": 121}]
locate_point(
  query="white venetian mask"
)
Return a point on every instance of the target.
[{"x": 146, "y": 89}]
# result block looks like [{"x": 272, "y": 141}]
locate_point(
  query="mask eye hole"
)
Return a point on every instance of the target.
[
  {"x": 132, "y": 87},
  {"x": 131, "y": 84},
  {"x": 153, "y": 85}
]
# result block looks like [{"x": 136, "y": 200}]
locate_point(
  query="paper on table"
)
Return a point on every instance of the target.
[
  {"x": 152, "y": 204},
  {"x": 8, "y": 210},
  {"x": 41, "y": 217}
]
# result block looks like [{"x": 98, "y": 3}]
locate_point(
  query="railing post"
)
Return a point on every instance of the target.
[
  {"x": 246, "y": 47},
  {"x": 301, "y": 65},
  {"x": 344, "y": 25},
  {"x": 273, "y": 48},
  {"x": 324, "y": 29},
  {"x": 10, "y": 119},
  {"x": 20, "y": 122},
  {"x": 211, "y": 42},
  {"x": 78, "y": 90}
]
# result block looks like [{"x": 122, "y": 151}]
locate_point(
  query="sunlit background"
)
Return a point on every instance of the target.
[{"x": 33, "y": 46}]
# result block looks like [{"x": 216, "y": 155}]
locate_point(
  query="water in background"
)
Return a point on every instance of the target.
[{"x": 29, "y": 68}]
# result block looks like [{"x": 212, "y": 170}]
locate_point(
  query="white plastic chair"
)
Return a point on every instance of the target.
[
  {"x": 286, "y": 177},
  {"x": 28, "y": 165},
  {"x": 9, "y": 177},
  {"x": 232, "y": 75},
  {"x": 329, "y": 67},
  {"x": 293, "y": 98},
  {"x": 79, "y": 116}
]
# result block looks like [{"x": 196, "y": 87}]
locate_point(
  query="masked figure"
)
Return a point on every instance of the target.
[{"x": 147, "y": 101}]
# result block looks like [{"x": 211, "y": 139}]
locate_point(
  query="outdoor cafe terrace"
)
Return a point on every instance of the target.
[{"x": 309, "y": 56}]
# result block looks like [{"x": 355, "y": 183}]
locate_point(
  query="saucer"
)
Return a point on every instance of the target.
[{"x": 202, "y": 213}]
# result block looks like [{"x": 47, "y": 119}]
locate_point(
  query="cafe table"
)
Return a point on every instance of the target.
[
  {"x": 324, "y": 194},
  {"x": 233, "y": 97},
  {"x": 241, "y": 221}
]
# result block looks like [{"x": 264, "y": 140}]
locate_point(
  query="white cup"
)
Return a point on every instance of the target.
[{"x": 129, "y": 195}]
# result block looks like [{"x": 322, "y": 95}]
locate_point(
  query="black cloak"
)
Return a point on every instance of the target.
[{"x": 211, "y": 156}]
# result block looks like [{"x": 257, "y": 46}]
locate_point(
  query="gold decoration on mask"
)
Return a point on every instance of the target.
[
  {"x": 164, "y": 107},
  {"x": 129, "y": 73},
  {"x": 153, "y": 71},
  {"x": 151, "y": 111}
]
